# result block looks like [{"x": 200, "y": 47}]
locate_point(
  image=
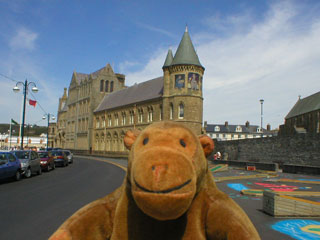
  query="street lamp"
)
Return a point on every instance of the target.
[
  {"x": 48, "y": 117},
  {"x": 261, "y": 101},
  {"x": 16, "y": 89}
]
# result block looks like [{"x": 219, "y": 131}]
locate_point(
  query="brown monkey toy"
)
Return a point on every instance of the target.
[{"x": 168, "y": 193}]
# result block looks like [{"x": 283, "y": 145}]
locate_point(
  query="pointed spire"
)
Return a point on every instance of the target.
[
  {"x": 169, "y": 59},
  {"x": 186, "y": 28},
  {"x": 186, "y": 53}
]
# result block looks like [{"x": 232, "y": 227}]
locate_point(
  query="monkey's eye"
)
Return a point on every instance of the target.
[
  {"x": 182, "y": 143},
  {"x": 145, "y": 141}
]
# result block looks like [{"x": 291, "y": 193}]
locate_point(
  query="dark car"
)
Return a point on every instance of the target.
[
  {"x": 60, "y": 158},
  {"x": 9, "y": 166},
  {"x": 46, "y": 160},
  {"x": 30, "y": 162},
  {"x": 69, "y": 155}
]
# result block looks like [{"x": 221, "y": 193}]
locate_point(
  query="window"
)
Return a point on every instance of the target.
[
  {"x": 238, "y": 129},
  {"x": 109, "y": 121},
  {"x": 181, "y": 111},
  {"x": 131, "y": 119},
  {"x": 101, "y": 85},
  {"x": 97, "y": 123},
  {"x": 111, "y": 86},
  {"x": 123, "y": 118},
  {"x": 11, "y": 157},
  {"x": 140, "y": 115},
  {"x": 259, "y": 129},
  {"x": 150, "y": 114},
  {"x": 161, "y": 112},
  {"x": 107, "y": 86},
  {"x": 217, "y": 129},
  {"x": 116, "y": 119},
  {"x": 171, "y": 111},
  {"x": 103, "y": 122}
]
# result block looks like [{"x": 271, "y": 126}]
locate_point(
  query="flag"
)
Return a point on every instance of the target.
[
  {"x": 14, "y": 122},
  {"x": 32, "y": 102}
]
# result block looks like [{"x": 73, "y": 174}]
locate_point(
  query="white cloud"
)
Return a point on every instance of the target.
[
  {"x": 276, "y": 58},
  {"x": 23, "y": 39}
]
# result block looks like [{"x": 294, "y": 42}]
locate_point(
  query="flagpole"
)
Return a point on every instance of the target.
[
  {"x": 10, "y": 135},
  {"x": 20, "y": 125}
]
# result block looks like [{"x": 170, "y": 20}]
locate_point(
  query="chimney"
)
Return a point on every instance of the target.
[
  {"x": 269, "y": 127},
  {"x": 247, "y": 124},
  {"x": 226, "y": 124}
]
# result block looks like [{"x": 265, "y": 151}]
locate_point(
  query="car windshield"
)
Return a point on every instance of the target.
[
  {"x": 57, "y": 153},
  {"x": 67, "y": 153},
  {"x": 43, "y": 154},
  {"x": 22, "y": 155}
]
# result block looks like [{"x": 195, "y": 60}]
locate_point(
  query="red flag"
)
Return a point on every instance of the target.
[{"x": 32, "y": 102}]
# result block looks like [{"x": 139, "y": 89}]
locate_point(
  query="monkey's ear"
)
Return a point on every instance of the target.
[
  {"x": 207, "y": 144},
  {"x": 130, "y": 138}
]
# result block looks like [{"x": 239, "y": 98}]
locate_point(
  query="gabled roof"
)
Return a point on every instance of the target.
[
  {"x": 186, "y": 53},
  {"x": 141, "y": 92},
  {"x": 305, "y": 105}
]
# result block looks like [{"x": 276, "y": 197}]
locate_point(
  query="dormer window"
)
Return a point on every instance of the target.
[
  {"x": 239, "y": 129},
  {"x": 259, "y": 129},
  {"x": 217, "y": 129}
]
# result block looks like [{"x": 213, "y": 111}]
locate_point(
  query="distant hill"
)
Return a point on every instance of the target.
[{"x": 29, "y": 130}]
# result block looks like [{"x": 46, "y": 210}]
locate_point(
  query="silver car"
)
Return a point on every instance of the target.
[
  {"x": 69, "y": 155},
  {"x": 30, "y": 162}
]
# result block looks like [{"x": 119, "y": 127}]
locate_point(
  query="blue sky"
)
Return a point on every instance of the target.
[{"x": 251, "y": 50}]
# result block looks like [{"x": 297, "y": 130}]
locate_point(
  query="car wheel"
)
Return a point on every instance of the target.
[
  {"x": 40, "y": 171},
  {"x": 17, "y": 177},
  {"x": 27, "y": 174}
]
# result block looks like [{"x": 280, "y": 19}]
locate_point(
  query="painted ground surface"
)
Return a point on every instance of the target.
[{"x": 268, "y": 226}]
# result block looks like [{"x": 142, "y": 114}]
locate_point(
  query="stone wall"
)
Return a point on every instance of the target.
[{"x": 295, "y": 150}]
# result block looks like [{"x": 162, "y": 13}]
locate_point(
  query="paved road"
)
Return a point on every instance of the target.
[{"x": 34, "y": 208}]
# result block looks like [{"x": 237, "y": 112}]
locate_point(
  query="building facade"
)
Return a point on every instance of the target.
[
  {"x": 227, "y": 132},
  {"x": 97, "y": 121},
  {"x": 304, "y": 117}
]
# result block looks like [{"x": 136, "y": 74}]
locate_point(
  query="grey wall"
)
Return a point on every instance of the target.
[{"x": 297, "y": 150}]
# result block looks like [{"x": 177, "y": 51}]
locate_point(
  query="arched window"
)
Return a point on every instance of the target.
[
  {"x": 217, "y": 129},
  {"x": 181, "y": 111},
  {"x": 107, "y": 86},
  {"x": 171, "y": 111},
  {"x": 111, "y": 86},
  {"x": 161, "y": 112},
  {"x": 101, "y": 85}
]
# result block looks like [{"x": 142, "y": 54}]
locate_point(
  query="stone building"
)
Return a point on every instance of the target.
[
  {"x": 304, "y": 117},
  {"x": 226, "y": 131},
  {"x": 176, "y": 96},
  {"x": 98, "y": 108},
  {"x": 75, "y": 111}
]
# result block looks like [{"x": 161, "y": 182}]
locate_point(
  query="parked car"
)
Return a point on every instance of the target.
[
  {"x": 69, "y": 155},
  {"x": 46, "y": 160},
  {"x": 60, "y": 158},
  {"x": 30, "y": 162},
  {"x": 9, "y": 166}
]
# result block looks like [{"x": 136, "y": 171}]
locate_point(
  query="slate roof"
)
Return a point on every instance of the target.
[
  {"x": 169, "y": 59},
  {"x": 141, "y": 92},
  {"x": 186, "y": 54},
  {"x": 305, "y": 105},
  {"x": 232, "y": 128}
]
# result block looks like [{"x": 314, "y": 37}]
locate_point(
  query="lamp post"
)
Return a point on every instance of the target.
[
  {"x": 261, "y": 102},
  {"x": 48, "y": 118},
  {"x": 16, "y": 89}
]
